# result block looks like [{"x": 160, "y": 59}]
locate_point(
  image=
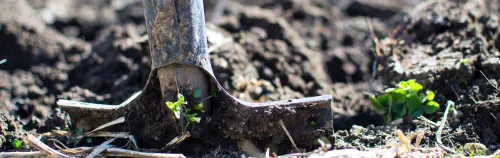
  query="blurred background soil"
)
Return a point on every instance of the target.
[{"x": 95, "y": 51}]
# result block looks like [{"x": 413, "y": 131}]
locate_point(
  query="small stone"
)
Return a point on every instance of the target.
[{"x": 258, "y": 90}]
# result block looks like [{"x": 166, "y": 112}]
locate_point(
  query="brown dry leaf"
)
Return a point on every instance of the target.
[{"x": 420, "y": 135}]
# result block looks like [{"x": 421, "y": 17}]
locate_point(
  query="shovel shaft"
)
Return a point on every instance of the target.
[{"x": 176, "y": 30}]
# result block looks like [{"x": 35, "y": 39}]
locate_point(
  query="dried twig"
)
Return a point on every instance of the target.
[
  {"x": 124, "y": 135},
  {"x": 375, "y": 38},
  {"x": 420, "y": 135},
  {"x": 440, "y": 130},
  {"x": 114, "y": 122},
  {"x": 35, "y": 143},
  {"x": 489, "y": 81},
  {"x": 81, "y": 150},
  {"x": 56, "y": 143},
  {"x": 99, "y": 149},
  {"x": 404, "y": 145},
  {"x": 55, "y": 133},
  {"x": 177, "y": 140},
  {"x": 289, "y": 136},
  {"x": 425, "y": 121}
]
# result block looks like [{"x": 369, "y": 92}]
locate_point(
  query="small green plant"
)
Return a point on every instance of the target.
[
  {"x": 241, "y": 36},
  {"x": 407, "y": 99},
  {"x": 176, "y": 107},
  {"x": 77, "y": 132},
  {"x": 179, "y": 108},
  {"x": 464, "y": 62},
  {"x": 313, "y": 124},
  {"x": 17, "y": 144},
  {"x": 197, "y": 93}
]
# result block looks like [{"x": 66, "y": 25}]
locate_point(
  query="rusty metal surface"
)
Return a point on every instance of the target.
[
  {"x": 177, "y": 36},
  {"x": 238, "y": 119},
  {"x": 176, "y": 30},
  {"x": 230, "y": 117}
]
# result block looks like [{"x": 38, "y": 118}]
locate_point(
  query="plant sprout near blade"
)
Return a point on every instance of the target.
[{"x": 407, "y": 99}]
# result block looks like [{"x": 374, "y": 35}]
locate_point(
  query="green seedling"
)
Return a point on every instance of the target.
[
  {"x": 313, "y": 124},
  {"x": 176, "y": 107},
  {"x": 407, "y": 99},
  {"x": 179, "y": 107},
  {"x": 241, "y": 36},
  {"x": 17, "y": 144},
  {"x": 199, "y": 107},
  {"x": 197, "y": 93},
  {"x": 464, "y": 62},
  {"x": 77, "y": 132},
  {"x": 191, "y": 117}
]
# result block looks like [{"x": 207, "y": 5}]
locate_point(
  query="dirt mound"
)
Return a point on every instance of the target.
[
  {"x": 453, "y": 49},
  {"x": 94, "y": 51}
]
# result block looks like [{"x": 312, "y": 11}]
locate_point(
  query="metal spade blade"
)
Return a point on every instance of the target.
[{"x": 181, "y": 64}]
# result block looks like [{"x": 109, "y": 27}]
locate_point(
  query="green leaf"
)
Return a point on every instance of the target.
[
  {"x": 399, "y": 109},
  {"x": 413, "y": 101},
  {"x": 431, "y": 107},
  {"x": 452, "y": 105},
  {"x": 192, "y": 118},
  {"x": 403, "y": 84},
  {"x": 398, "y": 96},
  {"x": 415, "y": 112},
  {"x": 175, "y": 108},
  {"x": 170, "y": 105},
  {"x": 89, "y": 140},
  {"x": 389, "y": 90},
  {"x": 199, "y": 107},
  {"x": 411, "y": 81},
  {"x": 79, "y": 131},
  {"x": 313, "y": 124},
  {"x": 415, "y": 87},
  {"x": 177, "y": 114},
  {"x": 397, "y": 117},
  {"x": 74, "y": 140},
  {"x": 197, "y": 93},
  {"x": 385, "y": 100},
  {"x": 180, "y": 97},
  {"x": 17, "y": 144},
  {"x": 430, "y": 95},
  {"x": 377, "y": 106}
]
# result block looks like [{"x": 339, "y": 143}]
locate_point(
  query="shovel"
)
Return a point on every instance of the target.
[{"x": 181, "y": 65}]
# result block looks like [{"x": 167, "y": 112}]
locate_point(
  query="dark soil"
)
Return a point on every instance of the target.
[{"x": 91, "y": 51}]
